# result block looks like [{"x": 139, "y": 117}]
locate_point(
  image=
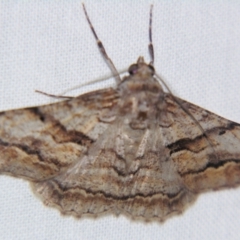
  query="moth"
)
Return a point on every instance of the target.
[{"x": 134, "y": 149}]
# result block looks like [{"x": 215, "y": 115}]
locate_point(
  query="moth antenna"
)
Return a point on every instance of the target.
[
  {"x": 150, "y": 45},
  {"x": 102, "y": 49}
]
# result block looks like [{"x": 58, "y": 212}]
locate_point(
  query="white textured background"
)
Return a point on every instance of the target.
[{"x": 47, "y": 45}]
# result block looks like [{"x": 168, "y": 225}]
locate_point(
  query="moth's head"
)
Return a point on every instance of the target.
[
  {"x": 141, "y": 79},
  {"x": 141, "y": 67}
]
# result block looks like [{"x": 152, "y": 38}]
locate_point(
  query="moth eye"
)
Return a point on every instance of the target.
[
  {"x": 151, "y": 68},
  {"x": 133, "y": 69}
]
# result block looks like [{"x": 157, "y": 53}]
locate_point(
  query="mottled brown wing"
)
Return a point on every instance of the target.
[
  {"x": 150, "y": 173},
  {"x": 40, "y": 142},
  {"x": 210, "y": 166},
  {"x": 84, "y": 160}
]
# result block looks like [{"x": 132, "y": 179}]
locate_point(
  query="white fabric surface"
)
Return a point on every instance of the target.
[{"x": 47, "y": 45}]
